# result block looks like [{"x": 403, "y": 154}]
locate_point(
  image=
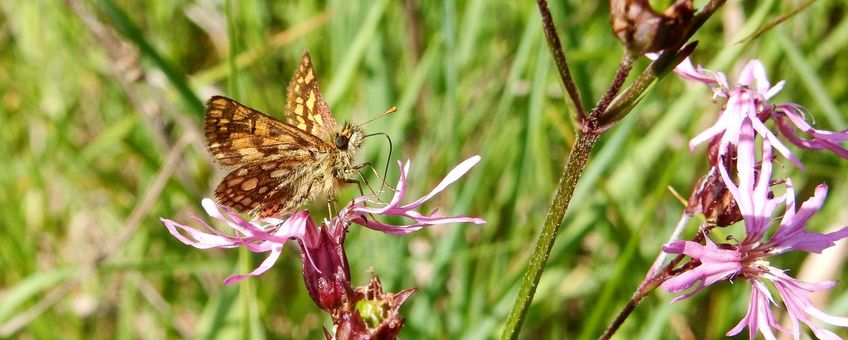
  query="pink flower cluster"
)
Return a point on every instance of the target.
[{"x": 735, "y": 134}]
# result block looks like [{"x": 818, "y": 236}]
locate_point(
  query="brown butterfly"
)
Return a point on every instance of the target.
[{"x": 281, "y": 165}]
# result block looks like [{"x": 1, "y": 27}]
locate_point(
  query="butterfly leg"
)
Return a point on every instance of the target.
[
  {"x": 331, "y": 203},
  {"x": 358, "y": 170},
  {"x": 382, "y": 180},
  {"x": 358, "y": 184},
  {"x": 361, "y": 192}
]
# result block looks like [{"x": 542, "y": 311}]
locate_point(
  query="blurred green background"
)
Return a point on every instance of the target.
[{"x": 101, "y": 115}]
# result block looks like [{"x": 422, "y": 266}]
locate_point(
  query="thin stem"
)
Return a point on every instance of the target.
[
  {"x": 640, "y": 294},
  {"x": 608, "y": 111},
  {"x": 654, "y": 278},
  {"x": 675, "y": 235},
  {"x": 574, "y": 167},
  {"x": 559, "y": 58},
  {"x": 624, "y": 68}
]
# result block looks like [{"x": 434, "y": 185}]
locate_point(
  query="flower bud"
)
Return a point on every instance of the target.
[
  {"x": 372, "y": 314},
  {"x": 712, "y": 198},
  {"x": 643, "y": 30},
  {"x": 325, "y": 268}
]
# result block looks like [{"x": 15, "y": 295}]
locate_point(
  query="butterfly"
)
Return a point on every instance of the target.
[{"x": 281, "y": 165}]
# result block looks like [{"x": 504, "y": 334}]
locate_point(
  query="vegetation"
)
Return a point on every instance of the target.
[{"x": 101, "y": 108}]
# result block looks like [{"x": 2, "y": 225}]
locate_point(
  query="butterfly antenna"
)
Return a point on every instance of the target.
[{"x": 390, "y": 110}]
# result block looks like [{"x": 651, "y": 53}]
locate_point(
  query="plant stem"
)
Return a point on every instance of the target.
[
  {"x": 654, "y": 278},
  {"x": 646, "y": 287},
  {"x": 605, "y": 114},
  {"x": 574, "y": 167},
  {"x": 559, "y": 58}
]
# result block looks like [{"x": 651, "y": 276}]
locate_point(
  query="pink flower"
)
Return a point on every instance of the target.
[
  {"x": 749, "y": 99},
  {"x": 794, "y": 114},
  {"x": 748, "y": 260},
  {"x": 357, "y": 211},
  {"x": 322, "y": 253},
  {"x": 267, "y": 235}
]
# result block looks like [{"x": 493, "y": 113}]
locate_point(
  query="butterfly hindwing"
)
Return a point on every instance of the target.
[
  {"x": 305, "y": 106},
  {"x": 266, "y": 189}
]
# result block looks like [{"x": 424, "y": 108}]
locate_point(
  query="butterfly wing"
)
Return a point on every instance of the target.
[
  {"x": 305, "y": 106},
  {"x": 267, "y": 189},
  {"x": 237, "y": 135},
  {"x": 275, "y": 160}
]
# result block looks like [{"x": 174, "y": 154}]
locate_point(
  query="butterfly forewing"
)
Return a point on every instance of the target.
[
  {"x": 305, "y": 106},
  {"x": 239, "y": 135}
]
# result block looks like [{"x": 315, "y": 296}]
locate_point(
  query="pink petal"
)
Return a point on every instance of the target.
[
  {"x": 401, "y": 186},
  {"x": 754, "y": 72},
  {"x": 764, "y": 131},
  {"x": 707, "y": 135},
  {"x": 263, "y": 267},
  {"x": 198, "y": 238},
  {"x": 687, "y": 71},
  {"x": 697, "y": 251},
  {"x": 774, "y": 90},
  {"x": 758, "y": 318},
  {"x": 821, "y": 139},
  {"x": 452, "y": 176},
  {"x": 420, "y": 224},
  {"x": 716, "y": 265},
  {"x": 211, "y": 208},
  {"x": 795, "y": 296},
  {"x": 797, "y": 221}
]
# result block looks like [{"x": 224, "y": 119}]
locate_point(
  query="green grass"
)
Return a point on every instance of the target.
[{"x": 101, "y": 102}]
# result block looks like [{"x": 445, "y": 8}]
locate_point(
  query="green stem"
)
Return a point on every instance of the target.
[
  {"x": 574, "y": 167},
  {"x": 603, "y": 116},
  {"x": 555, "y": 46}
]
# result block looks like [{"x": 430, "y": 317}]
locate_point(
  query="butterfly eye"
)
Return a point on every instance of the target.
[{"x": 341, "y": 142}]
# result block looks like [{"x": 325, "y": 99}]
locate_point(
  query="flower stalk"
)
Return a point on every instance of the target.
[
  {"x": 574, "y": 167},
  {"x": 613, "y": 107}
]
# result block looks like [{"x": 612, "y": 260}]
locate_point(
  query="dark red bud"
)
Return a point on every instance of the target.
[
  {"x": 325, "y": 268},
  {"x": 642, "y": 29},
  {"x": 712, "y": 198}
]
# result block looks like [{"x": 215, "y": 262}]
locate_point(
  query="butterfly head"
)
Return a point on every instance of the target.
[{"x": 349, "y": 138}]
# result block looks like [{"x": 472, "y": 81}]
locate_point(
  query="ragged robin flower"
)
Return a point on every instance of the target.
[
  {"x": 748, "y": 260},
  {"x": 749, "y": 98}
]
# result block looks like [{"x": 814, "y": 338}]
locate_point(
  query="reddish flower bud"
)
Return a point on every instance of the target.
[
  {"x": 712, "y": 199},
  {"x": 325, "y": 268},
  {"x": 643, "y": 30},
  {"x": 372, "y": 314}
]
